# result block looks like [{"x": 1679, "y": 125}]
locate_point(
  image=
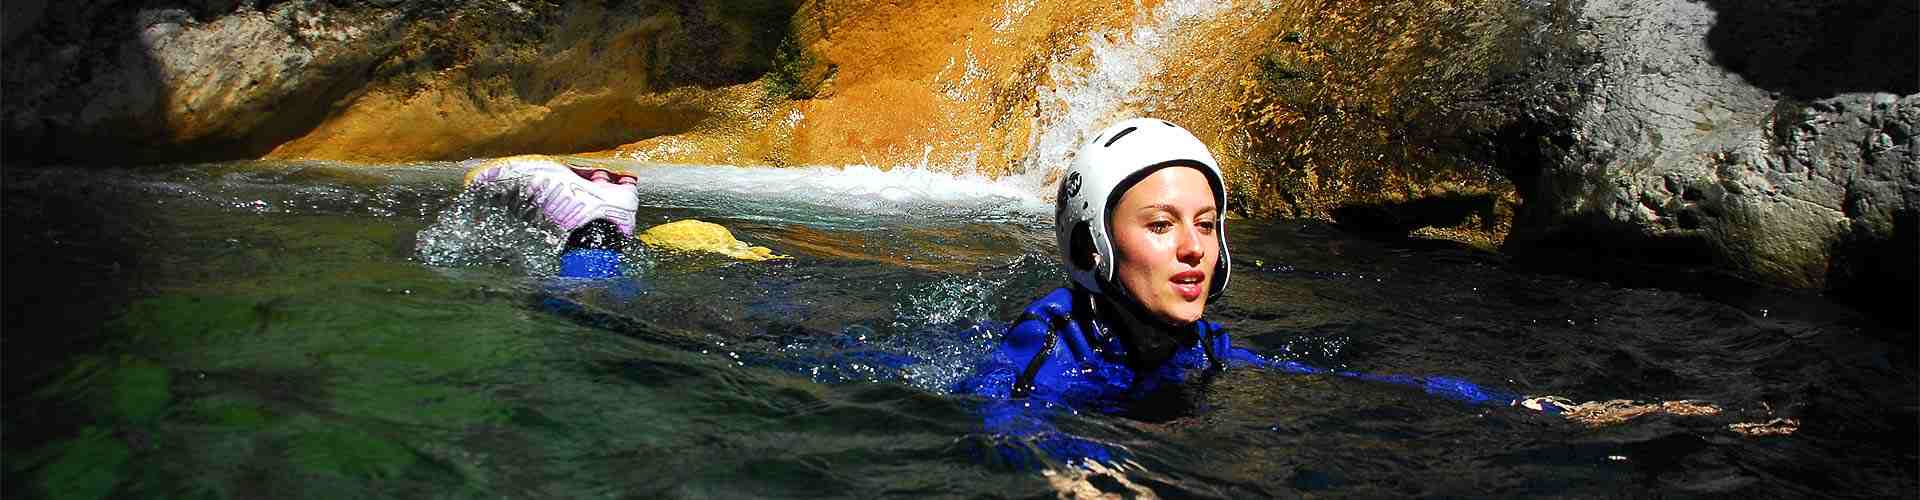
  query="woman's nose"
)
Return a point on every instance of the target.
[{"x": 1189, "y": 248}]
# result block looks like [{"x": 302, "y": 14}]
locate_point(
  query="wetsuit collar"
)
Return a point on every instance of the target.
[{"x": 1148, "y": 343}]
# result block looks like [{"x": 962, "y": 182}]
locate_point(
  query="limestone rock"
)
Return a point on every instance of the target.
[{"x": 690, "y": 235}]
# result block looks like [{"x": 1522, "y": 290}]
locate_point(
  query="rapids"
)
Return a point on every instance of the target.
[{"x": 320, "y": 330}]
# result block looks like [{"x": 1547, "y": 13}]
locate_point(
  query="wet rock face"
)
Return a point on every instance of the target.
[
  {"x": 178, "y": 80},
  {"x": 154, "y": 81},
  {"x": 1698, "y": 136}
]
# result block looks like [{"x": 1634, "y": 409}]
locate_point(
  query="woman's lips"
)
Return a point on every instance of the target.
[{"x": 1189, "y": 284}]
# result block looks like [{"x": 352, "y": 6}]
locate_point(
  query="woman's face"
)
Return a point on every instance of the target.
[{"x": 1164, "y": 243}]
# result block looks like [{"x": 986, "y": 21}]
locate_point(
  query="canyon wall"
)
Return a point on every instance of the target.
[{"x": 1768, "y": 141}]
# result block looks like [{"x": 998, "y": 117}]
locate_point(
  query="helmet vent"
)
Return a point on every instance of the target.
[
  {"x": 1167, "y": 123},
  {"x": 1116, "y": 137}
]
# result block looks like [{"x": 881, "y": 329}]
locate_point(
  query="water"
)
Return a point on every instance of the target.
[{"x": 311, "y": 330}]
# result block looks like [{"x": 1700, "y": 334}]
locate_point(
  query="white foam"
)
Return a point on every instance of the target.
[{"x": 856, "y": 191}]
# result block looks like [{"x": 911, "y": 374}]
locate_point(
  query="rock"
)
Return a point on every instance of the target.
[
  {"x": 948, "y": 85},
  {"x": 381, "y": 81},
  {"x": 1752, "y": 137},
  {"x": 91, "y": 82},
  {"x": 690, "y": 235}
]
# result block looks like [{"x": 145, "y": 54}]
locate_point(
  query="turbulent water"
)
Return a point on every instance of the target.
[{"x": 310, "y": 330}]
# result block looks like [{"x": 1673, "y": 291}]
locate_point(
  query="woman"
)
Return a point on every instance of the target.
[{"x": 1140, "y": 229}]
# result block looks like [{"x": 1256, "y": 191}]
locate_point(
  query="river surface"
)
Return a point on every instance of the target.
[{"x": 308, "y": 330}]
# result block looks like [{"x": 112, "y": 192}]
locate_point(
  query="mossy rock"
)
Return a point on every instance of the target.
[{"x": 692, "y": 235}]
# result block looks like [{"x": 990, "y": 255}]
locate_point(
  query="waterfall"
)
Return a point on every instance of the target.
[{"x": 1085, "y": 97}]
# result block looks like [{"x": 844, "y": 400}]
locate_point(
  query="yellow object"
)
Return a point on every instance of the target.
[{"x": 691, "y": 235}]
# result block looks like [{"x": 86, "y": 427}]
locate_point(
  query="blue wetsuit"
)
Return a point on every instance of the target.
[
  {"x": 590, "y": 263},
  {"x": 1055, "y": 354},
  {"x": 1058, "y": 356},
  {"x": 593, "y": 251}
]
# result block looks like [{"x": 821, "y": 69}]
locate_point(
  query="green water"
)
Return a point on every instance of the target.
[{"x": 277, "y": 330}]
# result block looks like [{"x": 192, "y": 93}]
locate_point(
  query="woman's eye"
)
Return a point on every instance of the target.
[
  {"x": 1160, "y": 226},
  {"x": 1207, "y": 226}
]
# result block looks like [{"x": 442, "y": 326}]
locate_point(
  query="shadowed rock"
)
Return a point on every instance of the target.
[{"x": 158, "y": 81}]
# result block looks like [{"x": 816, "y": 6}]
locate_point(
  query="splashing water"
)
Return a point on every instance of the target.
[
  {"x": 1087, "y": 97},
  {"x": 485, "y": 227}
]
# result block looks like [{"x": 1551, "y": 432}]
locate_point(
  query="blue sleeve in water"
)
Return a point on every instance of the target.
[
  {"x": 590, "y": 263},
  {"x": 1024, "y": 435},
  {"x": 1027, "y": 426},
  {"x": 994, "y": 375},
  {"x": 1448, "y": 387},
  {"x": 1030, "y": 340},
  {"x": 1232, "y": 357},
  {"x": 1462, "y": 390}
]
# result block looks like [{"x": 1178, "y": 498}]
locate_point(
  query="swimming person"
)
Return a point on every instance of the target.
[
  {"x": 1140, "y": 227},
  {"x": 595, "y": 206}
]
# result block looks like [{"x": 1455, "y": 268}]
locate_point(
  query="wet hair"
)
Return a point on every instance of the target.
[{"x": 598, "y": 234}]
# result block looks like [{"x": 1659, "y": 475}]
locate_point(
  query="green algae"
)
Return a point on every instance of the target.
[
  {"x": 232, "y": 414},
  {"x": 140, "y": 391},
  {"x": 349, "y": 453},
  {"x": 188, "y": 320},
  {"x": 126, "y": 389},
  {"x": 420, "y": 404},
  {"x": 87, "y": 466}
]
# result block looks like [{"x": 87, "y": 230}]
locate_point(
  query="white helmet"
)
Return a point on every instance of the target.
[{"x": 1118, "y": 157}]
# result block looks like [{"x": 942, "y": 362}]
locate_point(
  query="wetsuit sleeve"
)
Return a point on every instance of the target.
[
  {"x": 1043, "y": 345},
  {"x": 1032, "y": 349},
  {"x": 590, "y": 263},
  {"x": 1025, "y": 438},
  {"x": 1453, "y": 388},
  {"x": 995, "y": 375},
  {"x": 1220, "y": 346}
]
